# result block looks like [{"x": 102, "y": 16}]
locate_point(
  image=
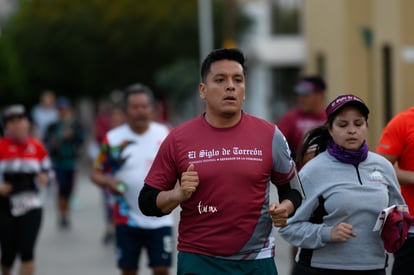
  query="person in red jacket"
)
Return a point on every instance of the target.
[
  {"x": 24, "y": 168},
  {"x": 308, "y": 113}
]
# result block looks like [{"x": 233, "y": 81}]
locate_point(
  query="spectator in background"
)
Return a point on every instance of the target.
[
  {"x": 110, "y": 115},
  {"x": 126, "y": 155},
  {"x": 397, "y": 145},
  {"x": 64, "y": 139},
  {"x": 308, "y": 113},
  {"x": 24, "y": 169},
  {"x": 102, "y": 120},
  {"x": 117, "y": 116},
  {"x": 45, "y": 113}
]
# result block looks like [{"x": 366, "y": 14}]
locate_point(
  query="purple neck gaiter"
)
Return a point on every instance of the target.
[{"x": 348, "y": 156}]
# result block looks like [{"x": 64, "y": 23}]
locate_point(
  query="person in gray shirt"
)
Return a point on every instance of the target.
[{"x": 346, "y": 188}]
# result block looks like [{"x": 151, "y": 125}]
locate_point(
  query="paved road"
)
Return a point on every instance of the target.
[{"x": 79, "y": 251}]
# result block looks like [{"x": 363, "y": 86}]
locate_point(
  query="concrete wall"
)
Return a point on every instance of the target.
[{"x": 337, "y": 31}]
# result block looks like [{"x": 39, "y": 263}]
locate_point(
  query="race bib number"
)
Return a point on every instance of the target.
[{"x": 23, "y": 202}]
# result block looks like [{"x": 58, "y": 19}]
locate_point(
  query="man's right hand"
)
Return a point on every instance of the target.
[
  {"x": 183, "y": 190},
  {"x": 189, "y": 182}
]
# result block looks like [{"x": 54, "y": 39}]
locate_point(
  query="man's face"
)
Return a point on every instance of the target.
[
  {"x": 224, "y": 88},
  {"x": 309, "y": 103},
  {"x": 18, "y": 127},
  {"x": 48, "y": 100},
  {"x": 139, "y": 112},
  {"x": 65, "y": 112}
]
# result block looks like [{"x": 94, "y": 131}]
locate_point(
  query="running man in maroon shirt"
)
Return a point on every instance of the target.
[{"x": 224, "y": 161}]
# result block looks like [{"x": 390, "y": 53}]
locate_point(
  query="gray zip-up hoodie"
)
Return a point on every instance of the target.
[{"x": 338, "y": 192}]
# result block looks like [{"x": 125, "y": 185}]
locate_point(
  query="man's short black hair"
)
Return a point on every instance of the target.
[{"x": 221, "y": 54}]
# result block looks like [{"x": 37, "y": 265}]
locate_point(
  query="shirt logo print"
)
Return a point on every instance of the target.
[
  {"x": 376, "y": 176},
  {"x": 206, "y": 208}
]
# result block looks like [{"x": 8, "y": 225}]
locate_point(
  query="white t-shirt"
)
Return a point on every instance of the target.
[{"x": 128, "y": 156}]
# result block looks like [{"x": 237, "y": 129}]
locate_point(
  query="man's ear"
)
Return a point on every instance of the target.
[{"x": 202, "y": 90}]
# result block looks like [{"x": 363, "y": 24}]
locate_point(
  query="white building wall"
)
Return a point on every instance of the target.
[{"x": 265, "y": 51}]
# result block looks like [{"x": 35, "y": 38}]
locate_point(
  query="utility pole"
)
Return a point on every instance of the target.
[
  {"x": 205, "y": 28},
  {"x": 206, "y": 41},
  {"x": 230, "y": 24}
]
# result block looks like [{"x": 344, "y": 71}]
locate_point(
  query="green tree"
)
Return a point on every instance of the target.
[
  {"x": 12, "y": 84},
  {"x": 90, "y": 47}
]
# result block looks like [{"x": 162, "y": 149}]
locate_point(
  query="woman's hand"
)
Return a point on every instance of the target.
[{"x": 342, "y": 232}]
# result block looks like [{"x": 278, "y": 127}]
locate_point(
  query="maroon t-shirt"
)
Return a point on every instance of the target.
[
  {"x": 227, "y": 216},
  {"x": 295, "y": 123}
]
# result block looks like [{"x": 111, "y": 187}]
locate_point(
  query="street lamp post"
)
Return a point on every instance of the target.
[
  {"x": 205, "y": 33},
  {"x": 205, "y": 27}
]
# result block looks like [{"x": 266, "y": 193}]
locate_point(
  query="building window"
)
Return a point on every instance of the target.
[
  {"x": 321, "y": 65},
  {"x": 286, "y": 16},
  {"x": 283, "y": 97}
]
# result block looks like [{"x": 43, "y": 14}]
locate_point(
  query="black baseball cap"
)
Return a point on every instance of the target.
[{"x": 310, "y": 84}]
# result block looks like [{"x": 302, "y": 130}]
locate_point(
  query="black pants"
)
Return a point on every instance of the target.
[
  {"x": 301, "y": 269},
  {"x": 403, "y": 258},
  {"x": 18, "y": 236}
]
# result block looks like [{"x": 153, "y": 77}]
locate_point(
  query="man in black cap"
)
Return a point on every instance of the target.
[{"x": 308, "y": 113}]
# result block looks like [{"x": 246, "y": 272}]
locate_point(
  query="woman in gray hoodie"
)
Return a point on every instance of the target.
[{"x": 346, "y": 187}]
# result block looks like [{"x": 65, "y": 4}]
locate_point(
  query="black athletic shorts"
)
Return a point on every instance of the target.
[
  {"x": 18, "y": 235},
  {"x": 130, "y": 241}
]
